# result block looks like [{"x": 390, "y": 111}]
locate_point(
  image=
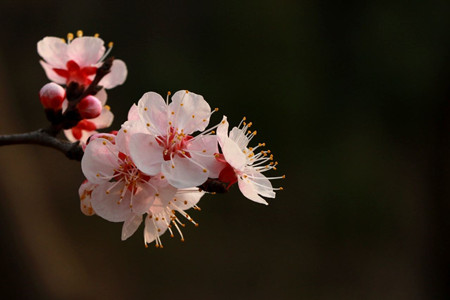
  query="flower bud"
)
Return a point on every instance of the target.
[
  {"x": 90, "y": 107},
  {"x": 52, "y": 96}
]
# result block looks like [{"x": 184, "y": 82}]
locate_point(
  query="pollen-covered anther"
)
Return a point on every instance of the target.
[
  {"x": 69, "y": 36},
  {"x": 281, "y": 188},
  {"x": 204, "y": 170},
  {"x": 193, "y": 116},
  {"x": 104, "y": 142},
  {"x": 79, "y": 33},
  {"x": 148, "y": 124},
  {"x": 145, "y": 108},
  {"x": 125, "y": 131},
  {"x": 110, "y": 44},
  {"x": 96, "y": 35},
  {"x": 156, "y": 195}
]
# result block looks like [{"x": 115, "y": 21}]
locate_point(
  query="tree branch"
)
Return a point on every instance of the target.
[{"x": 44, "y": 137}]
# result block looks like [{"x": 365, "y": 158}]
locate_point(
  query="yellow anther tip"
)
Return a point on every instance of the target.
[
  {"x": 96, "y": 35},
  {"x": 110, "y": 44},
  {"x": 107, "y": 107},
  {"x": 79, "y": 33}
]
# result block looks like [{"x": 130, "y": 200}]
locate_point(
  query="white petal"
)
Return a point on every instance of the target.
[
  {"x": 104, "y": 120},
  {"x": 107, "y": 203},
  {"x": 202, "y": 150},
  {"x": 52, "y": 74},
  {"x": 146, "y": 153},
  {"x": 154, "y": 228},
  {"x": 191, "y": 112},
  {"x": 165, "y": 195},
  {"x": 102, "y": 96},
  {"x": 100, "y": 158},
  {"x": 84, "y": 192},
  {"x": 133, "y": 113},
  {"x": 117, "y": 75},
  {"x": 262, "y": 185},
  {"x": 233, "y": 154},
  {"x": 129, "y": 128},
  {"x": 54, "y": 51},
  {"x": 239, "y": 137},
  {"x": 185, "y": 200},
  {"x": 249, "y": 191},
  {"x": 86, "y": 50},
  {"x": 143, "y": 198},
  {"x": 153, "y": 112},
  {"x": 222, "y": 130},
  {"x": 130, "y": 226},
  {"x": 183, "y": 173}
]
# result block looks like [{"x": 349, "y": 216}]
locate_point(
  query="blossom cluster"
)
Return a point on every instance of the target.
[{"x": 164, "y": 157}]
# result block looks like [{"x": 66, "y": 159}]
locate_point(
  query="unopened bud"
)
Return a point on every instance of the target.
[
  {"x": 90, "y": 107},
  {"x": 52, "y": 96}
]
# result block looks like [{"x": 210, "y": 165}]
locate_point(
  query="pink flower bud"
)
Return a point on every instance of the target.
[
  {"x": 52, "y": 96},
  {"x": 90, "y": 107}
]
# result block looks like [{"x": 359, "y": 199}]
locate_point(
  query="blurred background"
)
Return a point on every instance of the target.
[{"x": 353, "y": 99}]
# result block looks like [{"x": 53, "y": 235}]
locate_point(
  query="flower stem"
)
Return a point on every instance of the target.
[{"x": 44, "y": 137}]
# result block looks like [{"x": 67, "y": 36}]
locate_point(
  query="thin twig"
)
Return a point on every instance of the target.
[{"x": 44, "y": 137}]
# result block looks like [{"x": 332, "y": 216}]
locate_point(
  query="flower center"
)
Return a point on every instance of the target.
[
  {"x": 174, "y": 143},
  {"x": 129, "y": 173},
  {"x": 75, "y": 73}
]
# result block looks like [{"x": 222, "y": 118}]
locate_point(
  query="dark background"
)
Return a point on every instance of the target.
[{"x": 352, "y": 97}]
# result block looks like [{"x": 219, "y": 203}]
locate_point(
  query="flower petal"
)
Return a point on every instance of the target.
[
  {"x": 239, "y": 137},
  {"x": 99, "y": 161},
  {"x": 165, "y": 195},
  {"x": 117, "y": 75},
  {"x": 143, "y": 198},
  {"x": 190, "y": 112},
  {"x": 85, "y": 135},
  {"x": 249, "y": 191},
  {"x": 54, "y": 51},
  {"x": 153, "y": 112},
  {"x": 262, "y": 185},
  {"x": 107, "y": 203},
  {"x": 147, "y": 155},
  {"x": 52, "y": 74},
  {"x": 133, "y": 113},
  {"x": 86, "y": 50},
  {"x": 222, "y": 130},
  {"x": 183, "y": 173},
  {"x": 154, "y": 227},
  {"x": 202, "y": 149},
  {"x": 85, "y": 193},
  {"x": 102, "y": 96},
  {"x": 187, "y": 199},
  {"x": 233, "y": 154},
  {"x": 104, "y": 120},
  {"x": 129, "y": 128},
  {"x": 130, "y": 226}
]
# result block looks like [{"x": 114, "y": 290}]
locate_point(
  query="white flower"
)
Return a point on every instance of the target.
[
  {"x": 78, "y": 60},
  {"x": 167, "y": 146},
  {"x": 121, "y": 190},
  {"x": 162, "y": 217},
  {"x": 247, "y": 165}
]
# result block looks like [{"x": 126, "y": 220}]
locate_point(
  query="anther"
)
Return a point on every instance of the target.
[
  {"x": 107, "y": 107},
  {"x": 79, "y": 33},
  {"x": 69, "y": 36},
  {"x": 110, "y": 44},
  {"x": 96, "y": 35}
]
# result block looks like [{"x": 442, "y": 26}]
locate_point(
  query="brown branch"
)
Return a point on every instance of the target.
[{"x": 44, "y": 137}]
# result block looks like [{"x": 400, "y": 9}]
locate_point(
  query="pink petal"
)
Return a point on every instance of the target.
[
  {"x": 102, "y": 96},
  {"x": 165, "y": 195},
  {"x": 187, "y": 199},
  {"x": 130, "y": 226},
  {"x": 107, "y": 203},
  {"x": 129, "y": 128},
  {"x": 52, "y": 74},
  {"x": 99, "y": 161},
  {"x": 104, "y": 120},
  {"x": 202, "y": 150},
  {"x": 147, "y": 155},
  {"x": 222, "y": 130},
  {"x": 233, "y": 154},
  {"x": 84, "y": 192},
  {"x": 249, "y": 191},
  {"x": 183, "y": 173},
  {"x": 238, "y": 136},
  {"x": 143, "y": 198},
  {"x": 190, "y": 112},
  {"x": 54, "y": 51},
  {"x": 153, "y": 112},
  {"x": 261, "y": 184},
  {"x": 86, "y": 50},
  {"x": 133, "y": 113},
  {"x": 117, "y": 75},
  {"x": 154, "y": 228}
]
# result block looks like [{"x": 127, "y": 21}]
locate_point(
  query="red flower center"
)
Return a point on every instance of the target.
[{"x": 76, "y": 74}]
